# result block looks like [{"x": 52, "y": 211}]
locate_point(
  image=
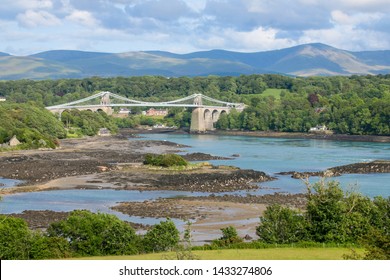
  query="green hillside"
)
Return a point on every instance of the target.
[{"x": 303, "y": 60}]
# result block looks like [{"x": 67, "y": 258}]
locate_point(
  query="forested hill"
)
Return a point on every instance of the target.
[
  {"x": 354, "y": 105},
  {"x": 303, "y": 60}
]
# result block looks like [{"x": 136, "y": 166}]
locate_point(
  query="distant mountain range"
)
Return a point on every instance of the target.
[{"x": 303, "y": 60}]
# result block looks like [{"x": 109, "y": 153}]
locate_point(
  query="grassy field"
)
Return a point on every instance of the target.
[
  {"x": 275, "y": 92},
  {"x": 249, "y": 254}
]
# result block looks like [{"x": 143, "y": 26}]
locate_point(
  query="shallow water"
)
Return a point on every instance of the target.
[
  {"x": 270, "y": 155},
  {"x": 8, "y": 183},
  {"x": 273, "y": 155}
]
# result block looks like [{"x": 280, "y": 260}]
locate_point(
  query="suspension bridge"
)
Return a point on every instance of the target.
[{"x": 205, "y": 114}]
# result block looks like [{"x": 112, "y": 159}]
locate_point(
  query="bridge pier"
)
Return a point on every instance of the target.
[
  {"x": 204, "y": 119},
  {"x": 197, "y": 121}
]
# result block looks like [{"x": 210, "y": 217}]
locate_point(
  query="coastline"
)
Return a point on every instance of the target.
[{"x": 114, "y": 162}]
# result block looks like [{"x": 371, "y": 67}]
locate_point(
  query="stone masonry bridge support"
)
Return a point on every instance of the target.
[{"x": 204, "y": 119}]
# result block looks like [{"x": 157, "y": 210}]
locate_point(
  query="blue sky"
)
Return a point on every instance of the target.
[{"x": 182, "y": 26}]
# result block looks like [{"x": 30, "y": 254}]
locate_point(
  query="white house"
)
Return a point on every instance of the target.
[{"x": 318, "y": 128}]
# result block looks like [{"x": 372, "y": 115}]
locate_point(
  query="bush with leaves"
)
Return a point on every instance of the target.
[
  {"x": 282, "y": 225},
  {"x": 332, "y": 216},
  {"x": 229, "y": 236},
  {"x": 18, "y": 242},
  {"x": 96, "y": 234},
  {"x": 326, "y": 212},
  {"x": 165, "y": 160},
  {"x": 338, "y": 216},
  {"x": 44, "y": 247},
  {"x": 14, "y": 239},
  {"x": 161, "y": 237}
]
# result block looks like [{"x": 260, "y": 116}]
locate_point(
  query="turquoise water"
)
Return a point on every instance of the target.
[
  {"x": 273, "y": 155},
  {"x": 93, "y": 200},
  {"x": 265, "y": 154}
]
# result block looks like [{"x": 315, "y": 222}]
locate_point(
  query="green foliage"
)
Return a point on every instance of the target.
[
  {"x": 183, "y": 251},
  {"x": 332, "y": 217},
  {"x": 95, "y": 234},
  {"x": 44, "y": 247},
  {"x": 88, "y": 122},
  {"x": 354, "y": 105},
  {"x": 165, "y": 160},
  {"x": 178, "y": 117},
  {"x": 377, "y": 245},
  {"x": 14, "y": 239},
  {"x": 335, "y": 216},
  {"x": 84, "y": 233},
  {"x": 161, "y": 237},
  {"x": 282, "y": 225},
  {"x": 229, "y": 236},
  {"x": 325, "y": 212},
  {"x": 18, "y": 242},
  {"x": 34, "y": 126}
]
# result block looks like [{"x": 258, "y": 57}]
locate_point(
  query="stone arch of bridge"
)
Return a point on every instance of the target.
[
  {"x": 215, "y": 115},
  {"x": 208, "y": 119}
]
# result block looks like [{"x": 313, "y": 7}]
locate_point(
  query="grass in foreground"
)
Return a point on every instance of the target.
[{"x": 249, "y": 254}]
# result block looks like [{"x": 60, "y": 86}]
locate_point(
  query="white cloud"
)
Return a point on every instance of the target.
[
  {"x": 27, "y": 4},
  {"x": 189, "y": 25},
  {"x": 349, "y": 38},
  {"x": 259, "y": 39},
  {"x": 247, "y": 41},
  {"x": 342, "y": 18},
  {"x": 255, "y": 6},
  {"x": 83, "y": 18},
  {"x": 37, "y": 18}
]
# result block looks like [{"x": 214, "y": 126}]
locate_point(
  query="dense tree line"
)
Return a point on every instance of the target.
[
  {"x": 342, "y": 113},
  {"x": 355, "y": 104},
  {"x": 82, "y": 233}
]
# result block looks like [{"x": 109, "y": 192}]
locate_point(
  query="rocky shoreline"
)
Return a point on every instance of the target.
[
  {"x": 173, "y": 207},
  {"x": 41, "y": 219},
  {"x": 115, "y": 162},
  {"x": 377, "y": 166}
]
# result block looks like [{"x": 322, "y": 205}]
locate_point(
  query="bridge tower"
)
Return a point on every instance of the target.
[
  {"x": 105, "y": 100},
  {"x": 203, "y": 118},
  {"x": 105, "y": 103}
]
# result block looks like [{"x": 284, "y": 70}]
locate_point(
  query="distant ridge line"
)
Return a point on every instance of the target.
[{"x": 303, "y": 60}]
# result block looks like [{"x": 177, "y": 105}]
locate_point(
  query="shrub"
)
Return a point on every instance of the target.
[
  {"x": 229, "y": 236},
  {"x": 18, "y": 242},
  {"x": 281, "y": 225},
  {"x": 165, "y": 160},
  {"x": 161, "y": 237},
  {"x": 91, "y": 234},
  {"x": 45, "y": 247},
  {"x": 14, "y": 239}
]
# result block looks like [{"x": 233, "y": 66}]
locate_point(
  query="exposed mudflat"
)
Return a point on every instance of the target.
[
  {"x": 40, "y": 220},
  {"x": 115, "y": 162},
  {"x": 377, "y": 166}
]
